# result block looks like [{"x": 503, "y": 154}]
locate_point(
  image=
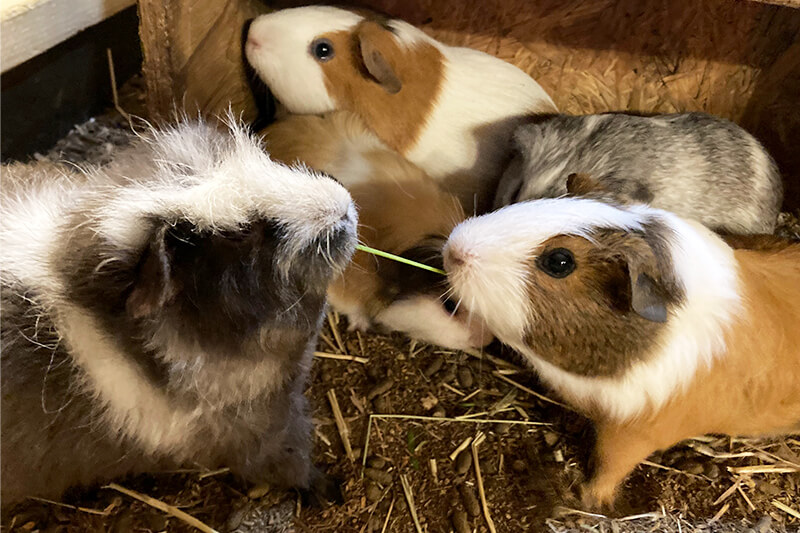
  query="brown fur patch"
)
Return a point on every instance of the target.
[
  {"x": 585, "y": 323},
  {"x": 399, "y": 118},
  {"x": 757, "y": 242}
]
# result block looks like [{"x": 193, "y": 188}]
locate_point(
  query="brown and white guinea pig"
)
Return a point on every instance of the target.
[
  {"x": 162, "y": 311},
  {"x": 401, "y": 211},
  {"x": 649, "y": 324},
  {"x": 449, "y": 110}
]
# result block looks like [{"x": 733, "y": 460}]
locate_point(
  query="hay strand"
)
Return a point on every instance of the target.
[
  {"x": 162, "y": 506},
  {"x": 341, "y": 425},
  {"x": 412, "y": 508},
  {"x": 342, "y": 357},
  {"x": 479, "y": 478}
]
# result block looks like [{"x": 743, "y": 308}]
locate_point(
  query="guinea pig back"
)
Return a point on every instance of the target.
[
  {"x": 162, "y": 310},
  {"x": 649, "y": 324},
  {"x": 693, "y": 164}
]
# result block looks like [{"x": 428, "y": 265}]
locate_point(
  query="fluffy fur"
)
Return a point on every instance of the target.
[
  {"x": 728, "y": 336},
  {"x": 162, "y": 310},
  {"x": 692, "y": 164},
  {"x": 449, "y": 110},
  {"x": 402, "y": 211}
]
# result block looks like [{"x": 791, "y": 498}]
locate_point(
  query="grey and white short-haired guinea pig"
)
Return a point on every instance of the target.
[
  {"x": 693, "y": 164},
  {"x": 449, "y": 110},
  {"x": 401, "y": 211},
  {"x": 648, "y": 323},
  {"x": 162, "y": 311}
]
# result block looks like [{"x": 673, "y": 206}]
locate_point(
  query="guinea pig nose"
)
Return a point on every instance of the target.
[
  {"x": 452, "y": 258},
  {"x": 252, "y": 42}
]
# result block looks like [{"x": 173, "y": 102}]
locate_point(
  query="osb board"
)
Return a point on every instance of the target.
[{"x": 739, "y": 60}]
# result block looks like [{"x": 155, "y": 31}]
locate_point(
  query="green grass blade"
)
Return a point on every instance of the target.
[{"x": 399, "y": 259}]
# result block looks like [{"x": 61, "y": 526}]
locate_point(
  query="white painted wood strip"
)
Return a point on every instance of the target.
[{"x": 30, "y": 27}]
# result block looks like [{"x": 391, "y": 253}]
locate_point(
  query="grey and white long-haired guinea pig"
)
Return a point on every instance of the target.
[
  {"x": 162, "y": 311},
  {"x": 639, "y": 319},
  {"x": 449, "y": 110},
  {"x": 693, "y": 164},
  {"x": 401, "y": 211}
]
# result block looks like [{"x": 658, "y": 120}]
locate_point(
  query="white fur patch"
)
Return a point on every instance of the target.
[
  {"x": 29, "y": 225},
  {"x": 479, "y": 90},
  {"x": 496, "y": 247},
  {"x": 282, "y": 55},
  {"x": 227, "y": 181},
  {"x": 135, "y": 408},
  {"x": 408, "y": 35},
  {"x": 424, "y": 318}
]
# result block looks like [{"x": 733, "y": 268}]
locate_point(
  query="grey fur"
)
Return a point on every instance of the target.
[
  {"x": 693, "y": 164},
  {"x": 213, "y": 306}
]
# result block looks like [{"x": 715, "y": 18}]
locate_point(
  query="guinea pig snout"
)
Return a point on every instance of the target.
[
  {"x": 252, "y": 43},
  {"x": 338, "y": 236},
  {"x": 455, "y": 258}
]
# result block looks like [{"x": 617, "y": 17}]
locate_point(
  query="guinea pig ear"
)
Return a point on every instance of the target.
[
  {"x": 154, "y": 286},
  {"x": 647, "y": 298},
  {"x": 376, "y": 42},
  {"x": 653, "y": 282},
  {"x": 581, "y": 184}
]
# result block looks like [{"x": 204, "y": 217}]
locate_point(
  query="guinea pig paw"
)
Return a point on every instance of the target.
[
  {"x": 323, "y": 490},
  {"x": 358, "y": 322},
  {"x": 597, "y": 499}
]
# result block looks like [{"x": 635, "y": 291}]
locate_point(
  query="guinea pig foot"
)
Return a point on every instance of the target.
[
  {"x": 598, "y": 498},
  {"x": 358, "y": 322},
  {"x": 323, "y": 490}
]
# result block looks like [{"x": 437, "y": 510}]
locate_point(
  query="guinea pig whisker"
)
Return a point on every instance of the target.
[
  {"x": 299, "y": 299},
  {"x": 446, "y": 293},
  {"x": 328, "y": 247},
  {"x": 455, "y": 309}
]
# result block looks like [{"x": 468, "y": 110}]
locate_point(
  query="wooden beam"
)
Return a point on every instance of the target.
[{"x": 192, "y": 56}]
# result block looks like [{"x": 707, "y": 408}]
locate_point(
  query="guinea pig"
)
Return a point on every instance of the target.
[
  {"x": 695, "y": 165},
  {"x": 649, "y": 324},
  {"x": 161, "y": 311},
  {"x": 401, "y": 211},
  {"x": 449, "y": 110}
]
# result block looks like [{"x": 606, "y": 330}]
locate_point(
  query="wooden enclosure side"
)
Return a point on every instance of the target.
[
  {"x": 739, "y": 60},
  {"x": 193, "y": 56}
]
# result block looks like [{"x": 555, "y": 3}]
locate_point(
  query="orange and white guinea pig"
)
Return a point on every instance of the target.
[
  {"x": 651, "y": 325},
  {"x": 402, "y": 211},
  {"x": 449, "y": 110}
]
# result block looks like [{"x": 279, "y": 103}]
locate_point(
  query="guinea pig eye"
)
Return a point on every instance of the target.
[
  {"x": 558, "y": 263},
  {"x": 322, "y": 50},
  {"x": 449, "y": 306}
]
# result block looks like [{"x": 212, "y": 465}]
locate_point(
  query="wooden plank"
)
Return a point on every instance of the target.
[{"x": 193, "y": 56}]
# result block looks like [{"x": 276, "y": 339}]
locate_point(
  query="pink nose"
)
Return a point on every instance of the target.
[
  {"x": 452, "y": 258},
  {"x": 252, "y": 42}
]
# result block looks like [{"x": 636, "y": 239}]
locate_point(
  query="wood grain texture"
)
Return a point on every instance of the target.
[{"x": 193, "y": 56}]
